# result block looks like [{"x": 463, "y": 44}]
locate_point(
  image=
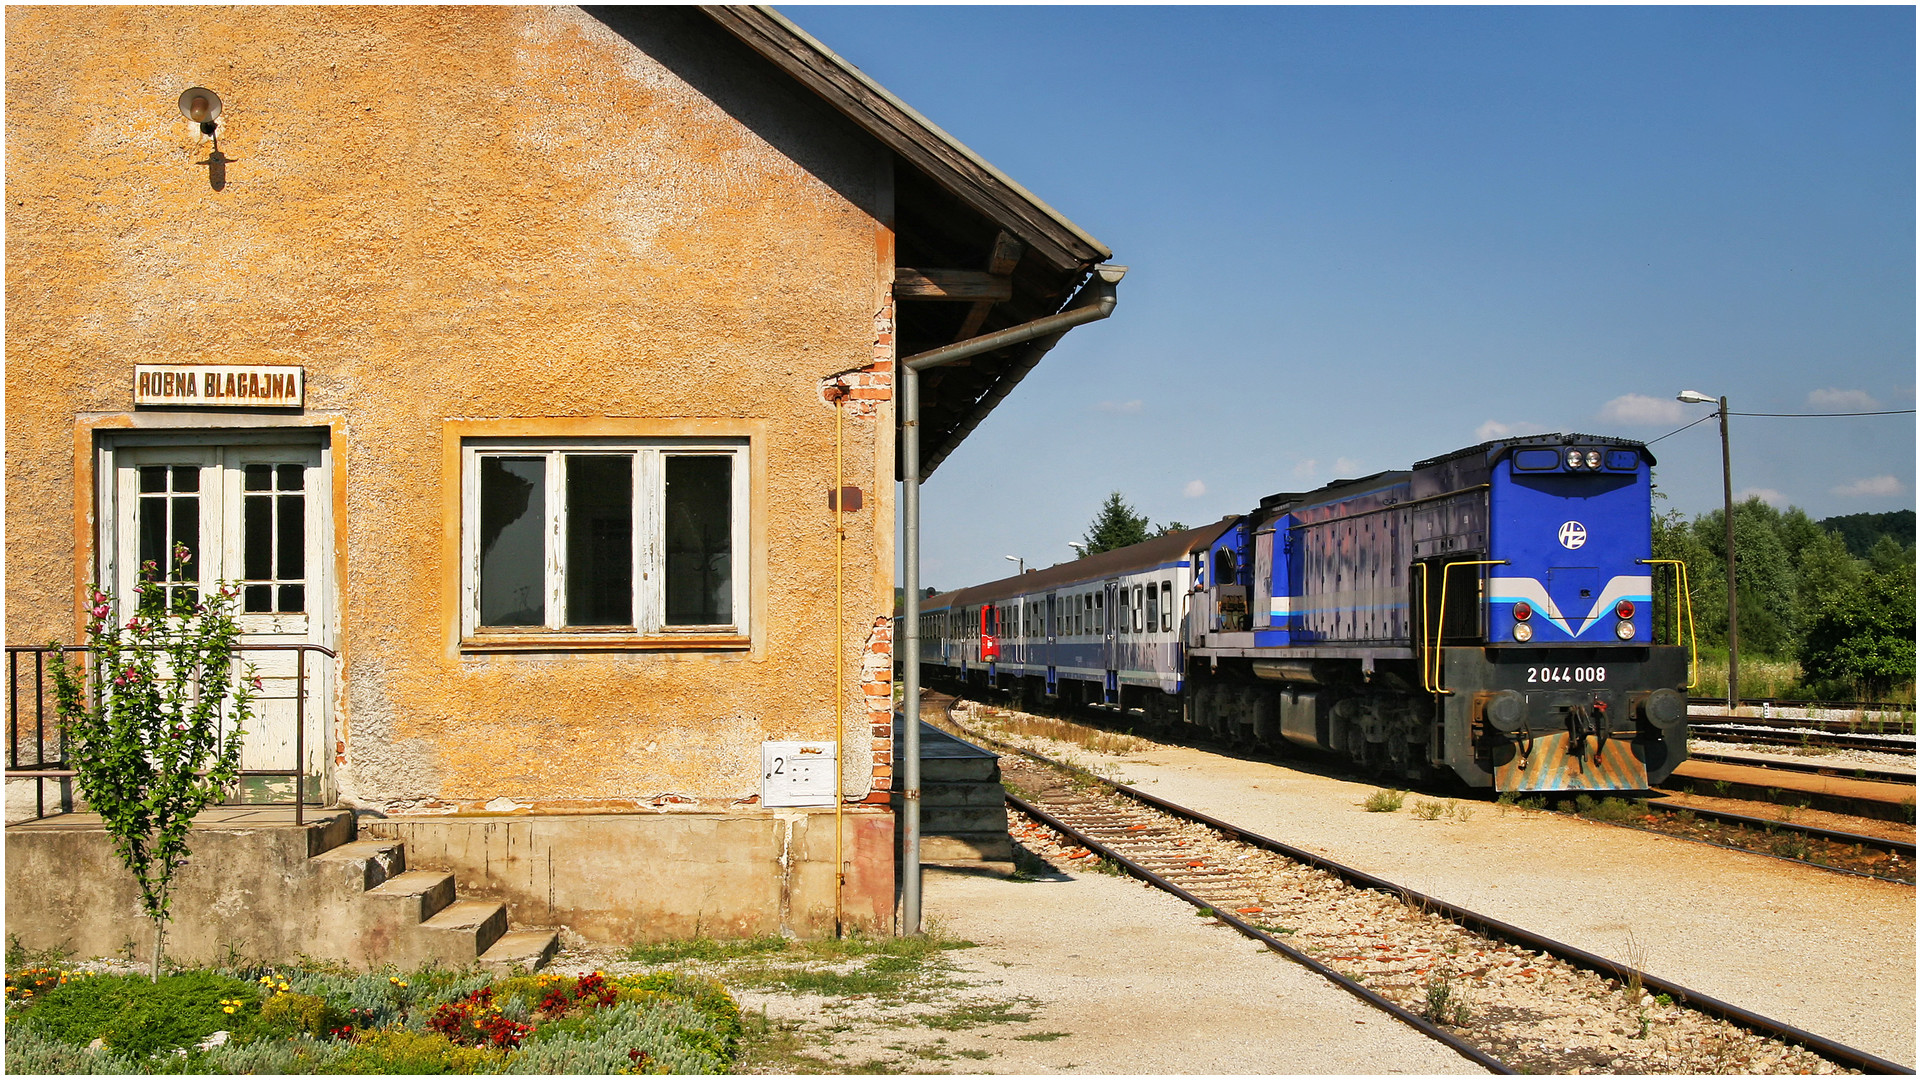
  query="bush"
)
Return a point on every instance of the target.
[
  {"x": 137, "y": 1017},
  {"x": 1384, "y": 801}
]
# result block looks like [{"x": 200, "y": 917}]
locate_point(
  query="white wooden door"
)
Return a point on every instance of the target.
[{"x": 255, "y": 517}]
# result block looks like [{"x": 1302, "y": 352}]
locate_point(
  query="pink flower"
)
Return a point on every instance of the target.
[{"x": 256, "y": 682}]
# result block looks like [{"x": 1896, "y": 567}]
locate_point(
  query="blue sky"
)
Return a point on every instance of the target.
[{"x": 1361, "y": 236}]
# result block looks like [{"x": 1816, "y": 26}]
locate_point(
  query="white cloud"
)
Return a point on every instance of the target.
[
  {"x": 1832, "y": 400},
  {"x": 1641, "y": 409},
  {"x": 1194, "y": 489},
  {"x": 1871, "y": 485},
  {"x": 1766, "y": 495},
  {"x": 1494, "y": 429},
  {"x": 1133, "y": 406}
]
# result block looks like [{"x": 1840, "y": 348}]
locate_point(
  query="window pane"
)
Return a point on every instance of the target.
[
  {"x": 258, "y": 597},
  {"x": 293, "y": 598},
  {"x": 699, "y": 540},
  {"x": 293, "y": 537},
  {"x": 153, "y": 533},
  {"x": 1167, "y": 607},
  {"x": 600, "y": 540},
  {"x": 1153, "y": 608},
  {"x": 186, "y": 478},
  {"x": 513, "y": 507},
  {"x": 257, "y": 525},
  {"x": 259, "y": 477},
  {"x": 186, "y": 534},
  {"x": 291, "y": 477},
  {"x": 153, "y": 478}
]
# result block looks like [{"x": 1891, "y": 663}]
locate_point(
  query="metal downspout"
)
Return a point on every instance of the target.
[{"x": 1094, "y": 301}]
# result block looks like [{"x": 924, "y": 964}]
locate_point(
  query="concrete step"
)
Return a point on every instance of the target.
[
  {"x": 969, "y": 794},
  {"x": 963, "y": 819},
  {"x": 420, "y": 893},
  {"x": 466, "y": 928},
  {"x": 525, "y": 950},
  {"x": 379, "y": 859},
  {"x": 959, "y": 770},
  {"x": 968, "y": 848}
]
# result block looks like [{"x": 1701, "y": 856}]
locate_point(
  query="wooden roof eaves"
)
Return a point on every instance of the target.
[{"x": 912, "y": 136}]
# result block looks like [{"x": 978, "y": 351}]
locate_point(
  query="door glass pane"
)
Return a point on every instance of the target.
[
  {"x": 600, "y": 540},
  {"x": 293, "y": 539},
  {"x": 513, "y": 498},
  {"x": 1153, "y": 608},
  {"x": 169, "y": 530},
  {"x": 699, "y": 540},
  {"x": 257, "y": 557}
]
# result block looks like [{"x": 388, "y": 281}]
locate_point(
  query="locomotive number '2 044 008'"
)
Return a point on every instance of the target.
[{"x": 1567, "y": 674}]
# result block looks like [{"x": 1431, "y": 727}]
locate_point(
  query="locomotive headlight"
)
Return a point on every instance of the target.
[
  {"x": 1523, "y": 632},
  {"x": 1593, "y": 459},
  {"x": 1573, "y": 459},
  {"x": 1624, "y": 630}
]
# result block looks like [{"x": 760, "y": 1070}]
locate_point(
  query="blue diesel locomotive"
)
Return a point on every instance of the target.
[{"x": 1489, "y": 613}]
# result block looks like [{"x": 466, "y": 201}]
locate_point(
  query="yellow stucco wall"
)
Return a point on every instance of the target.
[{"x": 454, "y": 215}]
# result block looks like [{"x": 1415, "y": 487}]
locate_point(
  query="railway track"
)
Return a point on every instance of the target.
[
  {"x": 1482, "y": 986},
  {"x": 1837, "y": 727},
  {"x": 1748, "y": 730},
  {"x": 1805, "y": 765},
  {"x": 1779, "y": 838}
]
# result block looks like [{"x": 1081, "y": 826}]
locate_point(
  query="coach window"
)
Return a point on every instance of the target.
[
  {"x": 1100, "y": 613},
  {"x": 1167, "y": 607},
  {"x": 599, "y": 538},
  {"x": 1153, "y": 608}
]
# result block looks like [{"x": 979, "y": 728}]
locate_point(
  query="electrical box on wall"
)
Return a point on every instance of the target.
[{"x": 797, "y": 773}]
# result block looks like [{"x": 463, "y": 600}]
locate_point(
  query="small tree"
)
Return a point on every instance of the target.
[
  {"x": 1116, "y": 526},
  {"x": 155, "y": 738}
]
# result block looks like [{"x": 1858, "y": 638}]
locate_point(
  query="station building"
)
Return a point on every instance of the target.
[{"x": 532, "y": 371}]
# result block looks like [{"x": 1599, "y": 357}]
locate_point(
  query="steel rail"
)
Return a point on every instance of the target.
[
  {"x": 1496, "y": 928},
  {"x": 1898, "y": 847},
  {"x": 1419, "y": 1023}
]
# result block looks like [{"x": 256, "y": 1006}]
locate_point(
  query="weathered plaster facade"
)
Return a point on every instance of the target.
[{"x": 464, "y": 222}]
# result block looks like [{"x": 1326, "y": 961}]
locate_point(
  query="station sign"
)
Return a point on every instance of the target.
[{"x": 259, "y": 386}]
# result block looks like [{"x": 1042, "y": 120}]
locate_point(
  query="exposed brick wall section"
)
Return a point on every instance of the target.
[
  {"x": 866, "y": 387},
  {"x": 877, "y": 688}
]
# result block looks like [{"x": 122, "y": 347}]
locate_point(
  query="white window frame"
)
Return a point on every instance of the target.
[{"x": 649, "y": 558}]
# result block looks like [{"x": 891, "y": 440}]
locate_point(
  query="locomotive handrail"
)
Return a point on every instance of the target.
[
  {"x": 1687, "y": 608},
  {"x": 1440, "y": 621},
  {"x": 1425, "y": 685}
]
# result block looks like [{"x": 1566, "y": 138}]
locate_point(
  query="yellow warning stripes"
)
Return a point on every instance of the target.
[{"x": 1554, "y": 763}]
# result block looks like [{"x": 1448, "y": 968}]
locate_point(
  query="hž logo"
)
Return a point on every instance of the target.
[{"x": 1573, "y": 535}]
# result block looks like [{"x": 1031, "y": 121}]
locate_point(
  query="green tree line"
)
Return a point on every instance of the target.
[{"x": 1836, "y": 595}]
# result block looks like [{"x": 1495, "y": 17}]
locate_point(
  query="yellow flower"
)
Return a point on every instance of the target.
[{"x": 228, "y": 1009}]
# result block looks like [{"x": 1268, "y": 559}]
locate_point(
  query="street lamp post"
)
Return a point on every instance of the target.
[
  {"x": 1080, "y": 549},
  {"x": 1695, "y": 397},
  {"x": 1020, "y": 564}
]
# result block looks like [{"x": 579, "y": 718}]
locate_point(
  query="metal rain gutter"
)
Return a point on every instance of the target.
[{"x": 1093, "y": 302}]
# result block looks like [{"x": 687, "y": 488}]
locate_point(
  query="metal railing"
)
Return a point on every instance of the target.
[{"x": 44, "y": 759}]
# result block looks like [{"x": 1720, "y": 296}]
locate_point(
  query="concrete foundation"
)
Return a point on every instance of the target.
[{"x": 657, "y": 877}]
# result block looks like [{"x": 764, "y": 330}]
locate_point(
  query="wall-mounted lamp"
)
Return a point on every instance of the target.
[{"x": 202, "y": 106}]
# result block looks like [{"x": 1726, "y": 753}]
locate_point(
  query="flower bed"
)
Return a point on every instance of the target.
[{"x": 322, "y": 1020}]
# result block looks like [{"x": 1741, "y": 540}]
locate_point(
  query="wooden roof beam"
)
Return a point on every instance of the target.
[{"x": 967, "y": 285}]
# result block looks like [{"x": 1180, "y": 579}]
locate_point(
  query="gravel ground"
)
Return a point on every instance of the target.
[
  {"x": 1831, "y": 954},
  {"x": 1096, "y": 974}
]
